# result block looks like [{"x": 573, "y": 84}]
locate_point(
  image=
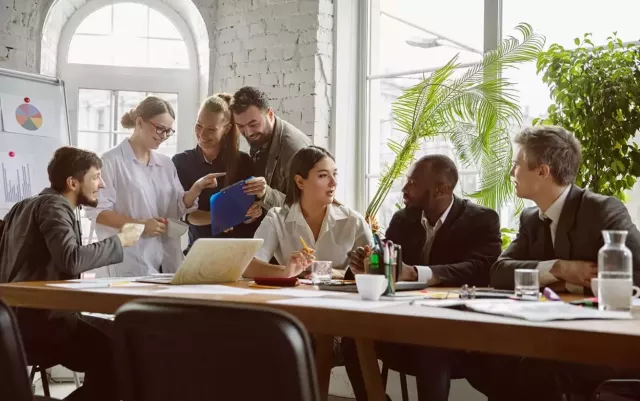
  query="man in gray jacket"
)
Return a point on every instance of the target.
[
  {"x": 273, "y": 143},
  {"x": 41, "y": 241}
]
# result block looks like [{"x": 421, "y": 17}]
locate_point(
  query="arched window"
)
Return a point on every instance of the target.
[{"x": 111, "y": 56}]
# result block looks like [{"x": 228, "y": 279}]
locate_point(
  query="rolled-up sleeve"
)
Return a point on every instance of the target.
[
  {"x": 268, "y": 233},
  {"x": 364, "y": 236},
  {"x": 106, "y": 195}
]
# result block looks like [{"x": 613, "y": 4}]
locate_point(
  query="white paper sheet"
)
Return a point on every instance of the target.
[
  {"x": 98, "y": 284},
  {"x": 335, "y": 303},
  {"x": 532, "y": 311},
  {"x": 203, "y": 289},
  {"x": 292, "y": 292}
]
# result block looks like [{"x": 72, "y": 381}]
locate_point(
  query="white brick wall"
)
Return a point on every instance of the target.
[{"x": 285, "y": 47}]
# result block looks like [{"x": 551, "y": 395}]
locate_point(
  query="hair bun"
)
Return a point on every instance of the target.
[
  {"x": 225, "y": 96},
  {"x": 128, "y": 120}
]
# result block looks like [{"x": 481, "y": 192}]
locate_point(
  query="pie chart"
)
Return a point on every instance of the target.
[{"x": 29, "y": 117}]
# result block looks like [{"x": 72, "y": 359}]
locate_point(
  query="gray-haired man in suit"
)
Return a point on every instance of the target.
[
  {"x": 560, "y": 237},
  {"x": 273, "y": 143}
]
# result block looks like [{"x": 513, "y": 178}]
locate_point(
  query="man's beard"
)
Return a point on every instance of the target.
[{"x": 85, "y": 201}]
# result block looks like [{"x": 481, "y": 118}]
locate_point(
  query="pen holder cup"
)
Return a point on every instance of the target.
[{"x": 390, "y": 274}]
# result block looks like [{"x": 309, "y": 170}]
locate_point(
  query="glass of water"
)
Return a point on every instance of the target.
[
  {"x": 320, "y": 271},
  {"x": 527, "y": 283},
  {"x": 615, "y": 273}
]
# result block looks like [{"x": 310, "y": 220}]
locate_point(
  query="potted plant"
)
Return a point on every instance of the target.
[
  {"x": 596, "y": 90},
  {"x": 475, "y": 111}
]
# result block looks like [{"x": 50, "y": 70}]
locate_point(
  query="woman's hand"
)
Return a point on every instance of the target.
[
  {"x": 298, "y": 262},
  {"x": 155, "y": 226},
  {"x": 255, "y": 211},
  {"x": 208, "y": 181}
]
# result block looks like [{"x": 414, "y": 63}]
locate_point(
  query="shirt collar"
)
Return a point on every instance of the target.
[
  {"x": 201, "y": 153},
  {"x": 334, "y": 213},
  {"x": 127, "y": 152},
  {"x": 442, "y": 218},
  {"x": 554, "y": 211}
]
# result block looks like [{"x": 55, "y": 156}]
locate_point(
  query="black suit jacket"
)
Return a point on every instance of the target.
[
  {"x": 578, "y": 235},
  {"x": 464, "y": 248}
]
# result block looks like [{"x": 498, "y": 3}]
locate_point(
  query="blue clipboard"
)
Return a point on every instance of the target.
[{"x": 229, "y": 207}]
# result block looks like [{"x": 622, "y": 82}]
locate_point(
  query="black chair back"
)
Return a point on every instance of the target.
[
  {"x": 14, "y": 378},
  {"x": 180, "y": 350}
]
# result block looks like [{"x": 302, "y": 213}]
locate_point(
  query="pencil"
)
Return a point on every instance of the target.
[{"x": 304, "y": 245}]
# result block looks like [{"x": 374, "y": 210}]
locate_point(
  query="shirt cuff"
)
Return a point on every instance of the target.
[
  {"x": 424, "y": 274},
  {"x": 544, "y": 269}
]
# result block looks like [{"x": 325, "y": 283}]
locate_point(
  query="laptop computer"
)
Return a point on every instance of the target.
[{"x": 212, "y": 261}]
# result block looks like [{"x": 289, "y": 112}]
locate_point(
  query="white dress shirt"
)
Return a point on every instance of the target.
[
  {"x": 424, "y": 272},
  {"x": 342, "y": 231},
  {"x": 141, "y": 192},
  {"x": 553, "y": 212}
]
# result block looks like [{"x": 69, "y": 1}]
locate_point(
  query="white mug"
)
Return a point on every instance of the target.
[
  {"x": 371, "y": 286},
  {"x": 176, "y": 228}
]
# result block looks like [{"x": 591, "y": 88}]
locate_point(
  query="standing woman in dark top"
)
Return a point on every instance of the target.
[{"x": 217, "y": 152}]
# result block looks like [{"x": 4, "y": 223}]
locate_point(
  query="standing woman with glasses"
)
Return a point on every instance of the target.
[{"x": 142, "y": 186}]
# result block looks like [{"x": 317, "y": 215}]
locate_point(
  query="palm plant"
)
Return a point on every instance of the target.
[{"x": 475, "y": 111}]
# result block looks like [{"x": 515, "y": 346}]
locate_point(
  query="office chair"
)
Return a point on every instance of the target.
[
  {"x": 14, "y": 382},
  {"x": 181, "y": 350}
]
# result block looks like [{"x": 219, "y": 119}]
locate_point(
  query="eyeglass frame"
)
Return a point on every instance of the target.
[{"x": 164, "y": 132}]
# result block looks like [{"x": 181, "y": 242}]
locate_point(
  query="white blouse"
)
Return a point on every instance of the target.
[
  {"x": 342, "y": 231},
  {"x": 141, "y": 192}
]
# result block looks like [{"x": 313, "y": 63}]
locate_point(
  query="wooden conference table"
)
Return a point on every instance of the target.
[{"x": 598, "y": 341}]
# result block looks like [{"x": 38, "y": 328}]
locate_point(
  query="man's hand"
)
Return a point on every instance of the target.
[
  {"x": 129, "y": 234},
  {"x": 357, "y": 257},
  {"x": 208, "y": 181},
  {"x": 297, "y": 263},
  {"x": 578, "y": 272},
  {"x": 155, "y": 226},
  {"x": 255, "y": 211},
  {"x": 256, "y": 186}
]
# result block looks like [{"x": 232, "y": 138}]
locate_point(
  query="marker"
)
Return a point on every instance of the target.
[{"x": 550, "y": 294}]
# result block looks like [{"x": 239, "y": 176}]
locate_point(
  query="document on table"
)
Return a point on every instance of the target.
[
  {"x": 97, "y": 284},
  {"x": 203, "y": 289},
  {"x": 293, "y": 292},
  {"x": 529, "y": 310},
  {"x": 336, "y": 303}
]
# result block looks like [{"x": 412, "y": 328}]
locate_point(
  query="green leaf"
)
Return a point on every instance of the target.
[
  {"x": 474, "y": 111},
  {"x": 576, "y": 41}
]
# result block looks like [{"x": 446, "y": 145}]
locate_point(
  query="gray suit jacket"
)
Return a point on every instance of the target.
[
  {"x": 287, "y": 140},
  {"x": 578, "y": 235}
]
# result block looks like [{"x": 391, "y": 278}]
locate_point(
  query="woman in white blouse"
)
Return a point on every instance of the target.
[
  {"x": 310, "y": 213},
  {"x": 142, "y": 186}
]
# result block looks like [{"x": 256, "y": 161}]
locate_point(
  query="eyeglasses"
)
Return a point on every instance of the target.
[{"x": 162, "y": 131}]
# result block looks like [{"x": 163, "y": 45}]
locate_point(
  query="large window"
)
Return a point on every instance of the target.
[
  {"x": 111, "y": 56},
  {"x": 128, "y": 35},
  {"x": 411, "y": 38}
]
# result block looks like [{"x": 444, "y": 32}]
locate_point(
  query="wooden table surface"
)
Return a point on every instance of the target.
[{"x": 604, "y": 342}]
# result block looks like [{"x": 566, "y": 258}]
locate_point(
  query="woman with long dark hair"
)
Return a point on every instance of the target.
[
  {"x": 217, "y": 153},
  {"x": 312, "y": 214}
]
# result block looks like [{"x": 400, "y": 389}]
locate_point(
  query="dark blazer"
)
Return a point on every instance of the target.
[
  {"x": 464, "y": 248},
  {"x": 578, "y": 235}
]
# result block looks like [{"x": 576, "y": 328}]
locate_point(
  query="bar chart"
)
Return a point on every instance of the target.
[{"x": 17, "y": 182}]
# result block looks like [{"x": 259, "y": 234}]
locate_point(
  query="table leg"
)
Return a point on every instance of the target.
[
  {"x": 370, "y": 370},
  {"x": 324, "y": 363}
]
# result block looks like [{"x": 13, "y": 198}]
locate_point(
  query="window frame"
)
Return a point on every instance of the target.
[
  {"x": 184, "y": 82},
  {"x": 370, "y": 28}
]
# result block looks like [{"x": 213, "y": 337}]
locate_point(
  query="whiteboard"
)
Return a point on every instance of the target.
[{"x": 33, "y": 124}]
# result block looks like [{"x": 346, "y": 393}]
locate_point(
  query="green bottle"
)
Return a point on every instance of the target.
[{"x": 374, "y": 264}]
